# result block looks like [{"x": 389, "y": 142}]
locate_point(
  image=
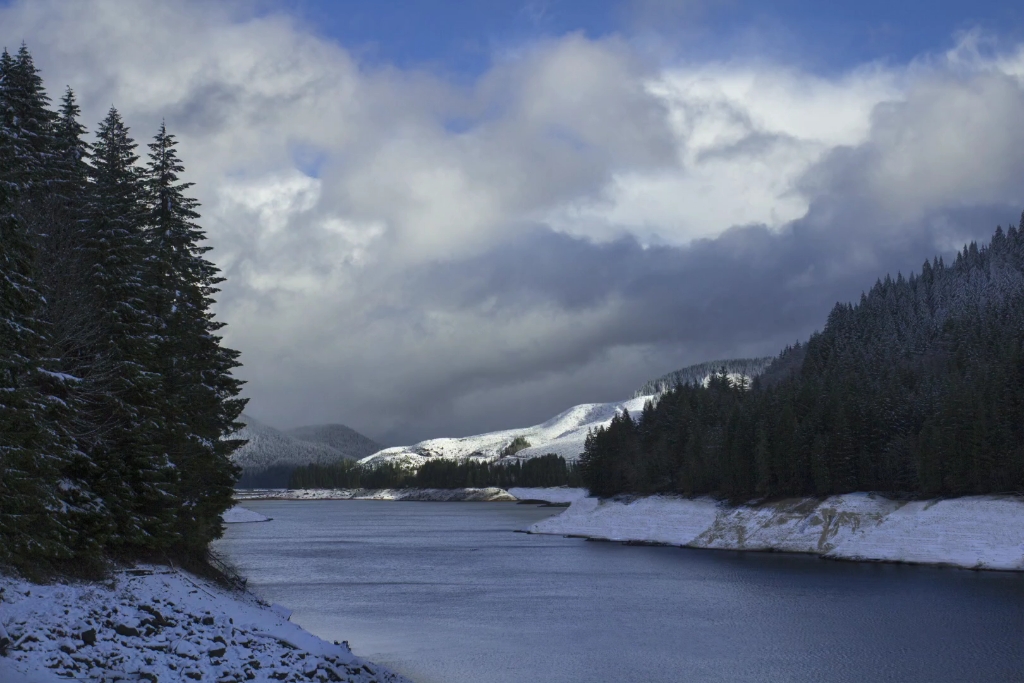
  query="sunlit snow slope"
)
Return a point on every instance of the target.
[{"x": 563, "y": 435}]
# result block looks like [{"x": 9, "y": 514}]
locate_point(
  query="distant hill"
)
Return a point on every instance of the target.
[
  {"x": 345, "y": 439},
  {"x": 270, "y": 455},
  {"x": 699, "y": 373},
  {"x": 562, "y": 435}
]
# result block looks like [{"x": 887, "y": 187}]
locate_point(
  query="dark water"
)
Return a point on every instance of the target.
[{"x": 446, "y": 592}]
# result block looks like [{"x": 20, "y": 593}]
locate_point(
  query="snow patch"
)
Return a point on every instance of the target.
[{"x": 241, "y": 515}]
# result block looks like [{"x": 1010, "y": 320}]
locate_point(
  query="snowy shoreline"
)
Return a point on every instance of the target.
[
  {"x": 483, "y": 495},
  {"x": 155, "y": 623},
  {"x": 977, "y": 532}
]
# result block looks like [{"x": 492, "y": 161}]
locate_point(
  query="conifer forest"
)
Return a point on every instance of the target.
[
  {"x": 917, "y": 389},
  {"x": 116, "y": 394}
]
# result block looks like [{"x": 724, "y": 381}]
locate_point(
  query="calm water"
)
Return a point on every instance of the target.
[{"x": 445, "y": 592}]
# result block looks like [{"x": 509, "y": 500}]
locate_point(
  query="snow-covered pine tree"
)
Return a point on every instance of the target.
[
  {"x": 34, "y": 527},
  {"x": 197, "y": 385},
  {"x": 122, "y": 393}
]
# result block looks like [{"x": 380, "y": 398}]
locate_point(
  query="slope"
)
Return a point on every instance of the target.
[
  {"x": 270, "y": 454},
  {"x": 735, "y": 369},
  {"x": 563, "y": 435},
  {"x": 339, "y": 437}
]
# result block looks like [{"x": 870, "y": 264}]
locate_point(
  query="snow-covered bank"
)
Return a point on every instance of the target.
[
  {"x": 241, "y": 515},
  {"x": 484, "y": 495},
  {"x": 978, "y": 532},
  {"x": 156, "y": 624}
]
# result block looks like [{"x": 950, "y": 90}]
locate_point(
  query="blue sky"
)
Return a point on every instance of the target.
[{"x": 462, "y": 36}]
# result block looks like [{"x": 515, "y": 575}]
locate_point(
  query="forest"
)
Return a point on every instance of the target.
[
  {"x": 917, "y": 389},
  {"x": 545, "y": 470},
  {"x": 116, "y": 394}
]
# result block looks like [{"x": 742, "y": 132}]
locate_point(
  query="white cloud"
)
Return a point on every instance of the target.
[{"x": 328, "y": 186}]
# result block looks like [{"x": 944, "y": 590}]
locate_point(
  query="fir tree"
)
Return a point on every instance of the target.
[
  {"x": 198, "y": 389},
  {"x": 122, "y": 390}
]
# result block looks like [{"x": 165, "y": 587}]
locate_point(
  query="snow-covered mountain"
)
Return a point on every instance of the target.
[
  {"x": 563, "y": 435},
  {"x": 339, "y": 437},
  {"x": 736, "y": 369}
]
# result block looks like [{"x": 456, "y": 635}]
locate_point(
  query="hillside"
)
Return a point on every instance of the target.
[
  {"x": 699, "y": 374},
  {"x": 563, "y": 435},
  {"x": 339, "y": 437},
  {"x": 271, "y": 454},
  {"x": 916, "y": 388}
]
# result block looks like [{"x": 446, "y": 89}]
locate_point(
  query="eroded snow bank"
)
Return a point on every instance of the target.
[
  {"x": 980, "y": 532},
  {"x": 156, "y": 624},
  {"x": 439, "y": 495},
  {"x": 241, "y": 515}
]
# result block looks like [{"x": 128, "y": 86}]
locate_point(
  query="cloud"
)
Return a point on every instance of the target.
[{"x": 416, "y": 256}]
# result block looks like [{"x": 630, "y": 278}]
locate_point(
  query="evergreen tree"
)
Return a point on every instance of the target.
[
  {"x": 198, "y": 389},
  {"x": 122, "y": 397},
  {"x": 33, "y": 526}
]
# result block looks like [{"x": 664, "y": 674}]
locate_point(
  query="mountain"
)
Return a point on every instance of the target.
[
  {"x": 735, "y": 369},
  {"x": 271, "y": 454},
  {"x": 339, "y": 437},
  {"x": 563, "y": 435}
]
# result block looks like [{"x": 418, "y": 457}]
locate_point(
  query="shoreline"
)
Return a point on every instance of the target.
[
  {"x": 976, "y": 532},
  {"x": 158, "y": 623},
  {"x": 555, "y": 496}
]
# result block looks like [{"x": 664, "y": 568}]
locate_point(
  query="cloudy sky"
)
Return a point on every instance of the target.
[{"x": 439, "y": 218}]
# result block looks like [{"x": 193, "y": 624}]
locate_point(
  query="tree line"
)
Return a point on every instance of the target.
[
  {"x": 546, "y": 470},
  {"x": 916, "y": 389},
  {"x": 116, "y": 394}
]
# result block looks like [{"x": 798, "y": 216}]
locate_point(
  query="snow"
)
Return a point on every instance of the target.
[
  {"x": 980, "y": 532},
  {"x": 155, "y": 623},
  {"x": 489, "y": 495},
  {"x": 562, "y": 435},
  {"x": 560, "y": 494},
  {"x": 239, "y": 515}
]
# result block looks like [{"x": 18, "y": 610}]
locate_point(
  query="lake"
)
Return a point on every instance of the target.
[{"x": 448, "y": 593}]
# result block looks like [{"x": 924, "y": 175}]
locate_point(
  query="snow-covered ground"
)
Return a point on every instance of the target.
[
  {"x": 978, "y": 532},
  {"x": 156, "y": 624},
  {"x": 563, "y": 435},
  {"x": 240, "y": 515},
  {"x": 489, "y": 495}
]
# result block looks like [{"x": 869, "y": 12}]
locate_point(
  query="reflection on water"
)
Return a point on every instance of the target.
[{"x": 445, "y": 592}]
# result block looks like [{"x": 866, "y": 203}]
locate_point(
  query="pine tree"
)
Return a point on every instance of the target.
[
  {"x": 122, "y": 397},
  {"x": 197, "y": 386},
  {"x": 34, "y": 526}
]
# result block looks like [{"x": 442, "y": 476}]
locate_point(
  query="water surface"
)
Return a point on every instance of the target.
[{"x": 447, "y": 593}]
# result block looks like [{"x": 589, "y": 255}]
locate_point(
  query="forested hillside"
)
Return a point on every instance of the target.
[
  {"x": 269, "y": 456},
  {"x": 917, "y": 388},
  {"x": 115, "y": 392},
  {"x": 701, "y": 372},
  {"x": 339, "y": 437}
]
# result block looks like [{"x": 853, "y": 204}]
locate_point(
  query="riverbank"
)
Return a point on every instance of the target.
[
  {"x": 483, "y": 495},
  {"x": 155, "y": 623},
  {"x": 977, "y": 532}
]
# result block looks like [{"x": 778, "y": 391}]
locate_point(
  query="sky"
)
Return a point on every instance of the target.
[{"x": 439, "y": 218}]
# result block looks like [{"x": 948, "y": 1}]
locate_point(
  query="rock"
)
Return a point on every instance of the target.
[
  {"x": 207, "y": 621},
  {"x": 126, "y": 631},
  {"x": 218, "y": 652},
  {"x": 88, "y": 637}
]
